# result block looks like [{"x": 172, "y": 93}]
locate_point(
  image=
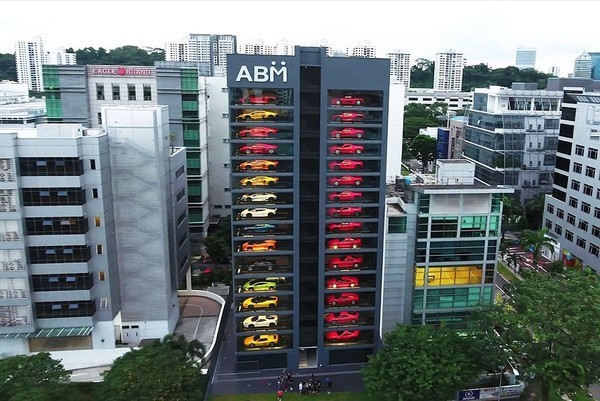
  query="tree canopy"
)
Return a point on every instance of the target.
[
  {"x": 125, "y": 55},
  {"x": 537, "y": 240},
  {"x": 549, "y": 323},
  {"x": 424, "y": 363},
  {"x": 423, "y": 148},
  {"x": 8, "y": 67}
]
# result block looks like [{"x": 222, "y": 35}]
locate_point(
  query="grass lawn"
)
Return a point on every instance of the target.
[
  {"x": 506, "y": 272},
  {"x": 334, "y": 396},
  {"x": 581, "y": 395}
]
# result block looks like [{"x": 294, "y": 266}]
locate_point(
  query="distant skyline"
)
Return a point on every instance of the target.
[{"x": 484, "y": 31}]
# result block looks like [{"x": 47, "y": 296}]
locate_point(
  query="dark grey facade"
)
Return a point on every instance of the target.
[{"x": 308, "y": 148}]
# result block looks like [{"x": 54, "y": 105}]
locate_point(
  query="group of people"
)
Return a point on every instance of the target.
[
  {"x": 309, "y": 386},
  {"x": 285, "y": 382}
]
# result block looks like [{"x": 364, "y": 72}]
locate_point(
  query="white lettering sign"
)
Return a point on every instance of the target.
[{"x": 262, "y": 74}]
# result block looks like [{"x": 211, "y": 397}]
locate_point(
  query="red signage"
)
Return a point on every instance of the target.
[{"x": 122, "y": 71}]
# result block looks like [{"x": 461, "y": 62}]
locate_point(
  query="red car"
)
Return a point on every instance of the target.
[
  {"x": 348, "y": 117},
  {"x": 348, "y": 211},
  {"x": 347, "y": 133},
  {"x": 344, "y": 243},
  {"x": 347, "y": 101},
  {"x": 338, "y": 227},
  {"x": 267, "y": 99},
  {"x": 344, "y": 196},
  {"x": 345, "y": 180},
  {"x": 342, "y": 299},
  {"x": 343, "y": 317},
  {"x": 261, "y": 148},
  {"x": 346, "y": 165},
  {"x": 347, "y": 148},
  {"x": 342, "y": 282},
  {"x": 338, "y": 336},
  {"x": 345, "y": 262},
  {"x": 257, "y": 132}
]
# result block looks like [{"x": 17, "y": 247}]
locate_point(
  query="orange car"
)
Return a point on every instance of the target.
[
  {"x": 266, "y": 245},
  {"x": 258, "y": 165}
]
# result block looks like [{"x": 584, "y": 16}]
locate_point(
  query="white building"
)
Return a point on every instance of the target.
[
  {"x": 60, "y": 57},
  {"x": 448, "y": 72},
  {"x": 400, "y": 67},
  {"x": 583, "y": 66},
  {"x": 29, "y": 57},
  {"x": 259, "y": 47},
  {"x": 525, "y": 58},
  {"x": 554, "y": 70},
  {"x": 206, "y": 49},
  {"x": 13, "y": 92},
  {"x": 364, "y": 50},
  {"x": 455, "y": 100}
]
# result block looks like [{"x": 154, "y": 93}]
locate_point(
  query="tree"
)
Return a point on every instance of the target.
[
  {"x": 537, "y": 241},
  {"x": 512, "y": 213},
  {"x": 534, "y": 211},
  {"x": 423, "y": 148},
  {"x": 421, "y": 74},
  {"x": 218, "y": 248},
  {"x": 8, "y": 67},
  {"x": 22, "y": 373},
  {"x": 164, "y": 370},
  {"x": 423, "y": 363},
  {"x": 550, "y": 325}
]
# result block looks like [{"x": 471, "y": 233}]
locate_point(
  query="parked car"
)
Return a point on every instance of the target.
[
  {"x": 345, "y": 262},
  {"x": 345, "y": 180},
  {"x": 348, "y": 100},
  {"x": 258, "y": 115},
  {"x": 259, "y": 285},
  {"x": 347, "y": 211},
  {"x": 346, "y": 148},
  {"x": 341, "y": 227},
  {"x": 344, "y": 196},
  {"x": 266, "y": 245},
  {"x": 347, "y": 133},
  {"x": 256, "y": 197},
  {"x": 343, "y": 317},
  {"x": 263, "y": 228},
  {"x": 258, "y": 148},
  {"x": 260, "y": 164},
  {"x": 344, "y": 243},
  {"x": 259, "y": 212},
  {"x": 261, "y": 340},
  {"x": 342, "y": 282},
  {"x": 260, "y": 265},
  {"x": 338, "y": 336},
  {"x": 265, "y": 99},
  {"x": 257, "y": 132},
  {"x": 342, "y": 299},
  {"x": 260, "y": 302},
  {"x": 348, "y": 117},
  {"x": 260, "y": 321},
  {"x": 346, "y": 165},
  {"x": 259, "y": 180}
]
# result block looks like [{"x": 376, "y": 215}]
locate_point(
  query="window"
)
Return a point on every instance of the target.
[
  {"x": 99, "y": 118},
  {"x": 180, "y": 195},
  {"x": 588, "y": 189},
  {"x": 590, "y": 171},
  {"x": 597, "y": 212},
  {"x": 573, "y": 202},
  {"x": 102, "y": 276},
  {"x": 570, "y": 219},
  {"x": 147, "y": 92},
  {"x": 103, "y": 303},
  {"x": 575, "y": 185},
  {"x": 131, "y": 92},
  {"x": 557, "y": 229},
  {"x": 583, "y": 225},
  {"x": 596, "y": 231},
  {"x": 550, "y": 209},
  {"x": 92, "y": 164},
  {"x": 397, "y": 224},
  {"x": 579, "y": 150},
  {"x": 569, "y": 235},
  {"x": 94, "y": 192},
  {"x": 560, "y": 213},
  {"x": 586, "y": 207},
  {"x": 548, "y": 224},
  {"x": 99, "y": 249},
  {"x": 99, "y": 91},
  {"x": 594, "y": 250},
  {"x": 577, "y": 167},
  {"x": 116, "y": 92},
  {"x": 97, "y": 221},
  {"x": 179, "y": 172},
  {"x": 581, "y": 242},
  {"x": 226, "y": 189},
  {"x": 593, "y": 153}
]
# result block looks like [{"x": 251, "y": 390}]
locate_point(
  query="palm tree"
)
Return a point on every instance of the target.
[
  {"x": 514, "y": 259},
  {"x": 537, "y": 241}
]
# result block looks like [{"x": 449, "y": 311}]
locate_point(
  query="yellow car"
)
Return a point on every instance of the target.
[
  {"x": 259, "y": 180},
  {"x": 258, "y": 165},
  {"x": 266, "y": 245},
  {"x": 261, "y": 340},
  {"x": 258, "y": 115},
  {"x": 260, "y": 302}
]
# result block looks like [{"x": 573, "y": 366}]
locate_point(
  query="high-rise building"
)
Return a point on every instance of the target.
[
  {"x": 441, "y": 245},
  {"x": 308, "y": 156},
  {"x": 554, "y": 70},
  {"x": 448, "y": 71},
  {"x": 511, "y": 135},
  {"x": 203, "y": 49},
  {"x": 595, "y": 59},
  {"x": 76, "y": 94},
  {"x": 365, "y": 50},
  {"x": 400, "y": 67},
  {"x": 60, "y": 57},
  {"x": 583, "y": 66},
  {"x": 93, "y": 233},
  {"x": 525, "y": 58},
  {"x": 29, "y": 57},
  {"x": 454, "y": 100},
  {"x": 572, "y": 212}
]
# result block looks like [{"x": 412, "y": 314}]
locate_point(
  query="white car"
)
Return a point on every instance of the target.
[
  {"x": 260, "y": 321},
  {"x": 268, "y": 197},
  {"x": 259, "y": 212}
]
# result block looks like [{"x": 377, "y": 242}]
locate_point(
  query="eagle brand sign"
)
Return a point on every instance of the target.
[
  {"x": 260, "y": 73},
  {"x": 121, "y": 71}
]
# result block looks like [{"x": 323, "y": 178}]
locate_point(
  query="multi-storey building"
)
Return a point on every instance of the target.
[
  {"x": 258, "y": 47},
  {"x": 365, "y": 50},
  {"x": 525, "y": 57},
  {"x": 595, "y": 62},
  {"x": 572, "y": 212},
  {"x": 511, "y": 135},
  {"x": 59, "y": 57},
  {"x": 93, "y": 240},
  {"x": 583, "y": 66},
  {"x": 76, "y": 94},
  {"x": 455, "y": 100},
  {"x": 442, "y": 237},
  {"x": 204, "y": 49},
  {"x": 400, "y": 67},
  {"x": 308, "y": 155},
  {"x": 29, "y": 57},
  {"x": 448, "y": 72}
]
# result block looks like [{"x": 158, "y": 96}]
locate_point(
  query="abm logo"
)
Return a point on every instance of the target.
[{"x": 261, "y": 73}]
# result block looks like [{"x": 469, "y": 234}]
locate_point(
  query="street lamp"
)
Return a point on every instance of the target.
[{"x": 501, "y": 367}]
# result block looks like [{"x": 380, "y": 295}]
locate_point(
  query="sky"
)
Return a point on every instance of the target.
[{"x": 486, "y": 31}]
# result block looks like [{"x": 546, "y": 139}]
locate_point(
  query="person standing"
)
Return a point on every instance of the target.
[
  {"x": 329, "y": 383},
  {"x": 300, "y": 388}
]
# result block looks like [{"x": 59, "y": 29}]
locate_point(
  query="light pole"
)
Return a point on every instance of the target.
[{"x": 501, "y": 367}]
